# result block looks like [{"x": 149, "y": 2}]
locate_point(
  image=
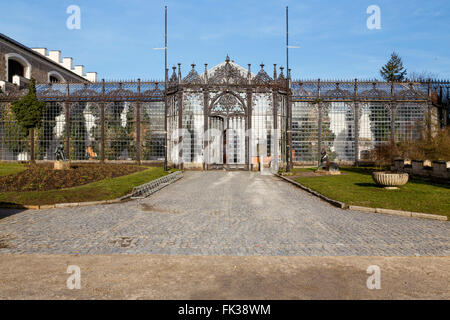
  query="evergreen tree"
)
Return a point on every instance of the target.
[
  {"x": 28, "y": 112},
  {"x": 15, "y": 136},
  {"x": 393, "y": 70}
]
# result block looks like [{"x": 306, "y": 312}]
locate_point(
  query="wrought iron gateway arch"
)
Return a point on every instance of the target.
[{"x": 226, "y": 117}]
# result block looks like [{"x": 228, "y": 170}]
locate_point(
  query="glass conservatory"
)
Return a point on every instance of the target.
[{"x": 226, "y": 117}]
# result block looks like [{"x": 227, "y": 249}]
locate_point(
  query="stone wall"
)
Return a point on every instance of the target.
[
  {"x": 40, "y": 66},
  {"x": 439, "y": 170}
]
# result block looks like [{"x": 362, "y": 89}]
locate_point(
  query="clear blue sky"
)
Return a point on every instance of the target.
[{"x": 117, "y": 36}]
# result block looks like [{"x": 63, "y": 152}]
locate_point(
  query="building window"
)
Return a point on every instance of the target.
[
  {"x": 15, "y": 68},
  {"x": 17, "y": 65},
  {"x": 54, "y": 79}
]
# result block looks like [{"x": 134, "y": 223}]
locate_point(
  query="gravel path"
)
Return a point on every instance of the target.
[{"x": 44, "y": 276}]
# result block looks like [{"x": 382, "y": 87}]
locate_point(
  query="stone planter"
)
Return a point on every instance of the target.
[{"x": 390, "y": 180}]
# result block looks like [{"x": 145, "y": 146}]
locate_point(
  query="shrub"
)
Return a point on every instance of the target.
[
  {"x": 427, "y": 147},
  {"x": 29, "y": 111}
]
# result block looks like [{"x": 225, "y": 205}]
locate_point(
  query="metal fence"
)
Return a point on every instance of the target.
[
  {"x": 149, "y": 188},
  {"x": 97, "y": 121}
]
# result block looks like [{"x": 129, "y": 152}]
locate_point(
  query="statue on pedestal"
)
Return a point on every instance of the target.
[
  {"x": 323, "y": 159},
  {"x": 59, "y": 152}
]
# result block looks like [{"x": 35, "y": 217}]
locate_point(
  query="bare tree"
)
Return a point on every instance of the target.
[{"x": 423, "y": 75}]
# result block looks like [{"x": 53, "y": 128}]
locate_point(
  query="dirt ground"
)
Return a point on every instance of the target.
[{"x": 220, "y": 277}]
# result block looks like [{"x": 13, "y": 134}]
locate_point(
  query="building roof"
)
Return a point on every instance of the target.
[{"x": 39, "y": 56}]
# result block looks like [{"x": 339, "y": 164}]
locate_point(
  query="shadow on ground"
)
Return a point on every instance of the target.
[{"x": 8, "y": 209}]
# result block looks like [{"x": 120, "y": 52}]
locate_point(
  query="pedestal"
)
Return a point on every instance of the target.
[{"x": 61, "y": 165}]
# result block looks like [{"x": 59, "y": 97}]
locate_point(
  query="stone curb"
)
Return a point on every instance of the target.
[
  {"x": 367, "y": 209},
  {"x": 59, "y": 205},
  {"x": 317, "y": 194},
  {"x": 67, "y": 205}
]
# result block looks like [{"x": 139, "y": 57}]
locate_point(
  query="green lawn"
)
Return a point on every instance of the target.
[
  {"x": 7, "y": 168},
  {"x": 356, "y": 187},
  {"x": 106, "y": 189}
]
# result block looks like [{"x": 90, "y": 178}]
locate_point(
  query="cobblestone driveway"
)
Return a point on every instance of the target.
[{"x": 221, "y": 213}]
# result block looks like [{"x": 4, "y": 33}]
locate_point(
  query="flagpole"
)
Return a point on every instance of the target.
[
  {"x": 288, "y": 129},
  {"x": 165, "y": 87}
]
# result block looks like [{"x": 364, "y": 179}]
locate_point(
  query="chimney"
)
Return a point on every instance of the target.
[
  {"x": 42, "y": 51},
  {"x": 79, "y": 70},
  {"x": 55, "y": 55},
  {"x": 91, "y": 76},
  {"x": 68, "y": 63}
]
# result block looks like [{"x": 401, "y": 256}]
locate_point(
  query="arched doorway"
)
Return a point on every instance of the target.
[{"x": 227, "y": 123}]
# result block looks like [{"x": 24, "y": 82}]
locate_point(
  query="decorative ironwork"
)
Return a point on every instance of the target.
[
  {"x": 299, "y": 91},
  {"x": 193, "y": 77},
  {"x": 51, "y": 92},
  {"x": 375, "y": 93},
  {"x": 227, "y": 105},
  {"x": 409, "y": 93},
  {"x": 227, "y": 74},
  {"x": 358, "y": 90},
  {"x": 281, "y": 79},
  {"x": 262, "y": 77},
  {"x": 173, "y": 78},
  {"x": 338, "y": 93},
  {"x": 84, "y": 93}
]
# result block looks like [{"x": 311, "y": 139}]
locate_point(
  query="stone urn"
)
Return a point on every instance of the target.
[{"x": 390, "y": 180}]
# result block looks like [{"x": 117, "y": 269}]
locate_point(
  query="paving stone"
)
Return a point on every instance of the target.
[{"x": 221, "y": 213}]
